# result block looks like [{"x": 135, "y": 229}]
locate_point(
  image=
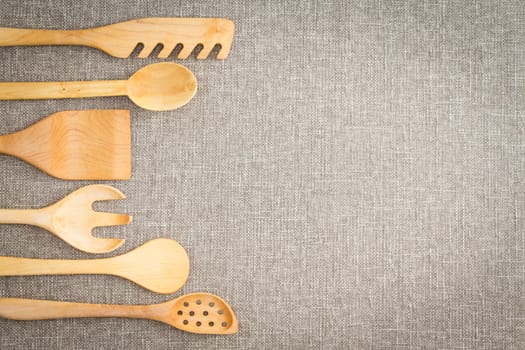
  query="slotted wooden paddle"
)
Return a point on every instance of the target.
[
  {"x": 76, "y": 145},
  {"x": 120, "y": 39}
]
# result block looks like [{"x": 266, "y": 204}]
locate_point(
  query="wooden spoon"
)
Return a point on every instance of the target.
[
  {"x": 72, "y": 218},
  {"x": 161, "y": 265},
  {"x": 76, "y": 145},
  {"x": 157, "y": 87},
  {"x": 202, "y": 313}
]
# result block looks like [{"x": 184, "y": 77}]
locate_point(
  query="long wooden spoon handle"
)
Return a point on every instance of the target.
[
  {"x": 30, "y": 309},
  {"x": 25, "y": 216},
  {"x": 13, "y": 266},
  {"x": 24, "y": 37},
  {"x": 55, "y": 89}
]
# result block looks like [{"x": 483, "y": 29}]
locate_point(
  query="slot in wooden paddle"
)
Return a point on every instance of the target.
[
  {"x": 160, "y": 265},
  {"x": 76, "y": 145},
  {"x": 120, "y": 39}
]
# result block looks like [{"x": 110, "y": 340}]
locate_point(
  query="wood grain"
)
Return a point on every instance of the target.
[
  {"x": 76, "y": 145},
  {"x": 120, "y": 39},
  {"x": 72, "y": 218},
  {"x": 160, "y": 265},
  {"x": 62, "y": 89},
  {"x": 158, "y": 87},
  {"x": 201, "y": 313}
]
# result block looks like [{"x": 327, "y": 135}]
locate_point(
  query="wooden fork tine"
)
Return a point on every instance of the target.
[
  {"x": 102, "y": 193},
  {"x": 110, "y": 219}
]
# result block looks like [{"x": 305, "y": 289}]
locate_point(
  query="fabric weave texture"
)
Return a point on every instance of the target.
[{"x": 350, "y": 177}]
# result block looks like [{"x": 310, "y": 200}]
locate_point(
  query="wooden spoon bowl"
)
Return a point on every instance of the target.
[
  {"x": 160, "y": 265},
  {"x": 162, "y": 86},
  {"x": 202, "y": 313}
]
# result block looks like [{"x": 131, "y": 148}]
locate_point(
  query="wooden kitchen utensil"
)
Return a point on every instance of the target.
[
  {"x": 72, "y": 218},
  {"x": 196, "y": 313},
  {"x": 157, "y": 87},
  {"x": 120, "y": 39},
  {"x": 160, "y": 265},
  {"x": 76, "y": 145}
]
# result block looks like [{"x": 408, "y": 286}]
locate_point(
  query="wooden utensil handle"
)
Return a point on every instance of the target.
[
  {"x": 69, "y": 89},
  {"x": 31, "y": 309},
  {"x": 24, "y": 37},
  {"x": 13, "y": 266},
  {"x": 25, "y": 216}
]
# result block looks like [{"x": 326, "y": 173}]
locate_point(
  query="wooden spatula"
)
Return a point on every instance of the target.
[
  {"x": 76, "y": 145},
  {"x": 201, "y": 313},
  {"x": 120, "y": 39},
  {"x": 160, "y": 265}
]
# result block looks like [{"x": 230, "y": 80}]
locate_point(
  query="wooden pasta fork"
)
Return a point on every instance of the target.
[{"x": 72, "y": 219}]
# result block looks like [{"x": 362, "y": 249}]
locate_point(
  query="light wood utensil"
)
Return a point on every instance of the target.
[
  {"x": 76, "y": 145},
  {"x": 120, "y": 39},
  {"x": 72, "y": 219},
  {"x": 157, "y": 87},
  {"x": 160, "y": 265},
  {"x": 202, "y": 313}
]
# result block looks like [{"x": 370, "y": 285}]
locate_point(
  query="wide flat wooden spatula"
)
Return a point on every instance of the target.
[{"x": 76, "y": 145}]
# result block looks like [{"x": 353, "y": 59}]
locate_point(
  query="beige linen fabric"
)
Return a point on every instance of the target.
[{"x": 351, "y": 177}]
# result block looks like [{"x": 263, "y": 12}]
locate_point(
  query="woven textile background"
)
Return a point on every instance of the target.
[{"x": 351, "y": 177}]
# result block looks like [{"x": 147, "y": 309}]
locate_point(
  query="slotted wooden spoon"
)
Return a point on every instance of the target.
[
  {"x": 160, "y": 265},
  {"x": 72, "y": 218},
  {"x": 157, "y": 87},
  {"x": 202, "y": 313},
  {"x": 120, "y": 39},
  {"x": 76, "y": 145}
]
